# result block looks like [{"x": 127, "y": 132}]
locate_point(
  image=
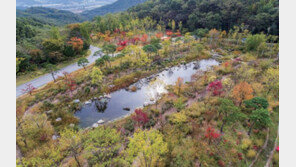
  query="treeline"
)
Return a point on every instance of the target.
[
  {"x": 52, "y": 16},
  {"x": 257, "y": 15},
  {"x": 117, "y": 6},
  {"x": 57, "y": 48}
]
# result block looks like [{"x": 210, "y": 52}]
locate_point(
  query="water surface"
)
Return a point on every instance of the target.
[{"x": 148, "y": 90}]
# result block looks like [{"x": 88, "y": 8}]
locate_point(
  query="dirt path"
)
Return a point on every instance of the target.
[{"x": 269, "y": 161}]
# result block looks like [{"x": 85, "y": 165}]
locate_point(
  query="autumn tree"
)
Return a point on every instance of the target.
[
  {"x": 259, "y": 118},
  {"x": 101, "y": 146},
  {"x": 242, "y": 91},
  {"x": 52, "y": 69},
  {"x": 147, "y": 147},
  {"x": 71, "y": 143},
  {"x": 96, "y": 76},
  {"x": 140, "y": 117},
  {"x": 82, "y": 62},
  {"x": 32, "y": 130},
  {"x": 76, "y": 43},
  {"x": 179, "y": 86},
  {"x": 29, "y": 89}
]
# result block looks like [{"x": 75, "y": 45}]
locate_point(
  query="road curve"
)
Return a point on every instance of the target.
[{"x": 44, "y": 79}]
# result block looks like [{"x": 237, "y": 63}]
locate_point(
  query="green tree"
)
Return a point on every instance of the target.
[
  {"x": 109, "y": 48},
  {"x": 229, "y": 111},
  {"x": 82, "y": 62},
  {"x": 256, "y": 103},
  {"x": 259, "y": 118},
  {"x": 52, "y": 69},
  {"x": 148, "y": 147}
]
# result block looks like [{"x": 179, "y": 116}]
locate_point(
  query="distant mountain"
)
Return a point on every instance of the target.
[
  {"x": 118, "y": 6},
  {"x": 75, "y": 6},
  {"x": 49, "y": 15}
]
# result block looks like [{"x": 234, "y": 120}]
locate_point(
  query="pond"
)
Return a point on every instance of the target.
[{"x": 123, "y": 102}]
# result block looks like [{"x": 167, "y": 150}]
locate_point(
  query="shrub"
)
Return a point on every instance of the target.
[
  {"x": 246, "y": 143},
  {"x": 251, "y": 153}
]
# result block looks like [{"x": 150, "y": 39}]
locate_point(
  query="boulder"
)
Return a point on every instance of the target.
[
  {"x": 48, "y": 112},
  {"x": 126, "y": 109},
  {"x": 76, "y": 101},
  {"x": 58, "y": 119},
  {"x": 95, "y": 125},
  {"x": 100, "y": 121}
]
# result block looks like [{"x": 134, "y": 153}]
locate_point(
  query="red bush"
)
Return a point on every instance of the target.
[
  {"x": 140, "y": 117},
  {"x": 215, "y": 87}
]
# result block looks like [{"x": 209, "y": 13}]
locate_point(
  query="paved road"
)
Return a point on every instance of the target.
[{"x": 44, "y": 79}]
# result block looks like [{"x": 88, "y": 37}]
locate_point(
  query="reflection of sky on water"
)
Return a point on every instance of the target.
[{"x": 148, "y": 90}]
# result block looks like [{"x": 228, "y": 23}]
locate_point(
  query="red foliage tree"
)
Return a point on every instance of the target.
[
  {"x": 211, "y": 134},
  {"x": 215, "y": 87},
  {"x": 169, "y": 33},
  {"x": 144, "y": 38},
  {"x": 140, "y": 117},
  {"x": 135, "y": 40},
  {"x": 69, "y": 81},
  {"x": 76, "y": 43},
  {"x": 29, "y": 89},
  {"x": 159, "y": 35}
]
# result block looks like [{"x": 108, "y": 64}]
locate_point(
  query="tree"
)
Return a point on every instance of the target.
[
  {"x": 259, "y": 118},
  {"x": 148, "y": 147},
  {"x": 140, "y": 117},
  {"x": 254, "y": 41},
  {"x": 215, "y": 88},
  {"x": 230, "y": 112},
  {"x": 256, "y": 103},
  {"x": 96, "y": 76},
  {"x": 242, "y": 91},
  {"x": 109, "y": 48},
  {"x": 32, "y": 130},
  {"x": 76, "y": 43},
  {"x": 29, "y": 89},
  {"x": 82, "y": 62},
  {"x": 101, "y": 146},
  {"x": 70, "y": 143},
  {"x": 52, "y": 69},
  {"x": 179, "y": 86}
]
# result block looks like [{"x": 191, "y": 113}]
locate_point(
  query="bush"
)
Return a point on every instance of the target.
[
  {"x": 129, "y": 125},
  {"x": 254, "y": 41},
  {"x": 251, "y": 153},
  {"x": 246, "y": 143},
  {"x": 87, "y": 90}
]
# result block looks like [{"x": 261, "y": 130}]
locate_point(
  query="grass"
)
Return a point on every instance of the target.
[{"x": 24, "y": 78}]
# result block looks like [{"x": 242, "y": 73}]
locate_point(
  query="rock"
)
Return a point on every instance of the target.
[
  {"x": 108, "y": 96},
  {"x": 72, "y": 125},
  {"x": 54, "y": 137},
  {"x": 48, "y": 112},
  {"x": 58, "y": 119},
  {"x": 100, "y": 121},
  {"x": 145, "y": 104},
  {"x": 76, "y": 101},
  {"x": 126, "y": 109},
  {"x": 87, "y": 102},
  {"x": 95, "y": 125}
]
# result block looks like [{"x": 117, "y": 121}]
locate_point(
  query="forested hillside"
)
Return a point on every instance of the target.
[
  {"x": 49, "y": 15},
  {"x": 118, "y": 6},
  {"x": 258, "y": 16}
]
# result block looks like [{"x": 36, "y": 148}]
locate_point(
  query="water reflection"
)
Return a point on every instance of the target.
[{"x": 123, "y": 102}]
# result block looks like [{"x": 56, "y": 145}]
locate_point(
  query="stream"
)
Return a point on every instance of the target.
[{"x": 123, "y": 102}]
